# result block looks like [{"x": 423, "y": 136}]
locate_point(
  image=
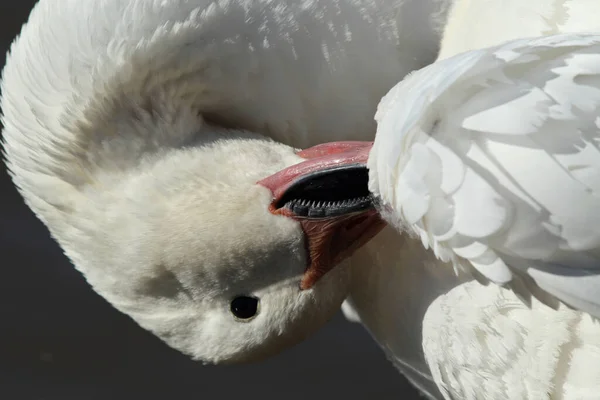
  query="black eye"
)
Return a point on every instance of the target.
[{"x": 244, "y": 307}]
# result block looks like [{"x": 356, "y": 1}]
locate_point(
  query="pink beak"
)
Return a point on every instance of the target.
[{"x": 328, "y": 194}]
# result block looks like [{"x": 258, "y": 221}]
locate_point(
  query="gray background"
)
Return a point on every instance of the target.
[{"x": 59, "y": 340}]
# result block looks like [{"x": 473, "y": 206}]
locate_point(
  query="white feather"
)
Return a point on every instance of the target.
[
  {"x": 94, "y": 87},
  {"x": 517, "y": 127},
  {"x": 476, "y": 24},
  {"x": 518, "y": 136}
]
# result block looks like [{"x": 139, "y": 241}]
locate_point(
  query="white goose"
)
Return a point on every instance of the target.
[
  {"x": 138, "y": 132},
  {"x": 492, "y": 159}
]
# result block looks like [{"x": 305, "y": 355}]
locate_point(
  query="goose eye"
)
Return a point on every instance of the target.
[{"x": 244, "y": 307}]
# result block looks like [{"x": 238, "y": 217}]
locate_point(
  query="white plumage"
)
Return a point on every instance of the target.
[
  {"x": 476, "y": 24},
  {"x": 136, "y": 130},
  {"x": 492, "y": 159},
  {"x": 118, "y": 113}
]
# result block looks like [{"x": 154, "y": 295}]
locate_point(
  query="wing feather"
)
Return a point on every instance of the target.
[{"x": 495, "y": 163}]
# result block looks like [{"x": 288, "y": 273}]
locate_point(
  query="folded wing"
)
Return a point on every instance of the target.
[{"x": 492, "y": 157}]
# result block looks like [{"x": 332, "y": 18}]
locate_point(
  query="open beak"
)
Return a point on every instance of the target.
[{"x": 328, "y": 195}]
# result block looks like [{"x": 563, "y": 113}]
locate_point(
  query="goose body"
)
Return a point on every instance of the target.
[
  {"x": 490, "y": 159},
  {"x": 394, "y": 302},
  {"x": 475, "y": 24}
]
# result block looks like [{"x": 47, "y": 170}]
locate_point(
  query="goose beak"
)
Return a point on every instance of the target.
[{"x": 328, "y": 195}]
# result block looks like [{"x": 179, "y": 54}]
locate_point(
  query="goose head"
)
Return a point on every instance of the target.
[
  {"x": 232, "y": 251},
  {"x": 138, "y": 132}
]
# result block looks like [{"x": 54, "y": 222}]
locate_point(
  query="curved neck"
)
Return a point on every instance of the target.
[{"x": 394, "y": 281}]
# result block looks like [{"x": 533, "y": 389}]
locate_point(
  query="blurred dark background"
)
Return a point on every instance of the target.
[{"x": 59, "y": 340}]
